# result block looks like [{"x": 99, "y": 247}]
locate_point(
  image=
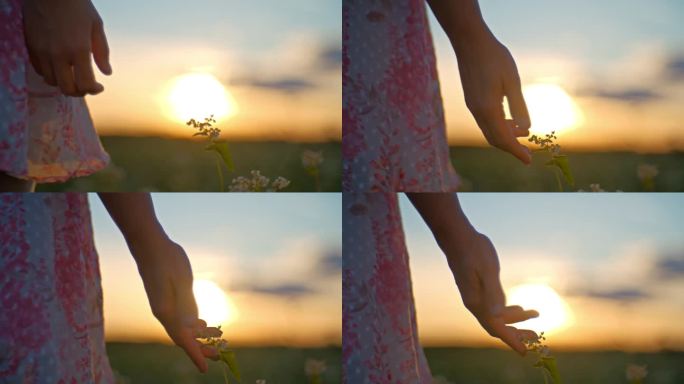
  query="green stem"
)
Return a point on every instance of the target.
[
  {"x": 558, "y": 180},
  {"x": 318, "y": 181},
  {"x": 225, "y": 375},
  {"x": 220, "y": 173}
]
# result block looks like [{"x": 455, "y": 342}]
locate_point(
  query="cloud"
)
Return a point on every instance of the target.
[
  {"x": 289, "y": 290},
  {"x": 624, "y": 295},
  {"x": 329, "y": 58},
  {"x": 670, "y": 267},
  {"x": 674, "y": 69},
  {"x": 289, "y": 85},
  {"x": 330, "y": 264},
  {"x": 630, "y": 95}
]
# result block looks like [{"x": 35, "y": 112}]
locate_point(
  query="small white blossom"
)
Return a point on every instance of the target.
[
  {"x": 314, "y": 367},
  {"x": 647, "y": 171},
  {"x": 312, "y": 159},
  {"x": 596, "y": 188},
  {"x": 636, "y": 372}
]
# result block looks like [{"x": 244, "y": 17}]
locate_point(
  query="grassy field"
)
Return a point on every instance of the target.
[
  {"x": 490, "y": 170},
  {"x": 492, "y": 366},
  {"x": 175, "y": 165},
  {"x": 157, "y": 363}
]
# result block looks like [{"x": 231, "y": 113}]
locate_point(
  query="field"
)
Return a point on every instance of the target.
[
  {"x": 175, "y": 165},
  {"x": 157, "y": 363},
  {"x": 489, "y": 170},
  {"x": 485, "y": 366}
]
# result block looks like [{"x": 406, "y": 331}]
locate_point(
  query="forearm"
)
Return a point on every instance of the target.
[
  {"x": 460, "y": 19},
  {"x": 443, "y": 215},
  {"x": 134, "y": 214}
]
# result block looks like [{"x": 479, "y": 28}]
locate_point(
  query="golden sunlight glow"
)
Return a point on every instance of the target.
[
  {"x": 214, "y": 306},
  {"x": 551, "y": 108},
  {"x": 198, "y": 95},
  {"x": 554, "y": 313}
]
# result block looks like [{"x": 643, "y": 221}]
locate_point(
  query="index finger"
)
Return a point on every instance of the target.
[
  {"x": 508, "y": 335},
  {"x": 183, "y": 338},
  {"x": 507, "y": 141}
]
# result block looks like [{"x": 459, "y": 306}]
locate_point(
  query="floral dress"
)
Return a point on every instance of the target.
[
  {"x": 51, "y": 324},
  {"x": 44, "y": 135},
  {"x": 379, "y": 334},
  {"x": 393, "y": 130}
]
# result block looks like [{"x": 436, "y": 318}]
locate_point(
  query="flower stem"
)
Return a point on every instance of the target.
[
  {"x": 220, "y": 173},
  {"x": 558, "y": 180}
]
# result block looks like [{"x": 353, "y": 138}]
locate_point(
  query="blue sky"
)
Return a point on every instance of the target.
[
  {"x": 272, "y": 254},
  {"x": 605, "y": 254}
]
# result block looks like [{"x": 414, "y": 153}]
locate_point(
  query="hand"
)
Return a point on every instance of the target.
[
  {"x": 475, "y": 266},
  {"x": 60, "y": 37},
  {"x": 167, "y": 276},
  {"x": 488, "y": 73}
]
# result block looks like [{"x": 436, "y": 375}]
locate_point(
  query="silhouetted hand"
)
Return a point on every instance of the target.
[
  {"x": 475, "y": 266},
  {"x": 488, "y": 73},
  {"x": 167, "y": 276},
  {"x": 60, "y": 37}
]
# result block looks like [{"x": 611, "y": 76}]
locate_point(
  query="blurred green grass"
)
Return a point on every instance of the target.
[
  {"x": 178, "y": 165},
  {"x": 494, "y": 366},
  {"x": 491, "y": 170},
  {"x": 159, "y": 363}
]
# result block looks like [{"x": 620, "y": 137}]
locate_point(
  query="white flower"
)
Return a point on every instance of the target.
[
  {"x": 312, "y": 159},
  {"x": 280, "y": 183},
  {"x": 261, "y": 381},
  {"x": 636, "y": 372},
  {"x": 544, "y": 351},
  {"x": 647, "y": 171},
  {"x": 596, "y": 188},
  {"x": 314, "y": 367}
]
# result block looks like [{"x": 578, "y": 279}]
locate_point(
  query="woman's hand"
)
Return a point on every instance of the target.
[
  {"x": 60, "y": 37},
  {"x": 475, "y": 266},
  {"x": 488, "y": 73},
  {"x": 167, "y": 276}
]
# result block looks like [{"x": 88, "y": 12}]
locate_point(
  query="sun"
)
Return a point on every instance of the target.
[
  {"x": 551, "y": 108},
  {"x": 212, "y": 303},
  {"x": 554, "y": 313},
  {"x": 198, "y": 95}
]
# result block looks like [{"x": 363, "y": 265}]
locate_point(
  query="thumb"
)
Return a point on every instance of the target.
[{"x": 101, "y": 48}]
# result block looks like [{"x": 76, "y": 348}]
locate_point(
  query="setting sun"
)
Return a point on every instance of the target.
[
  {"x": 198, "y": 95},
  {"x": 214, "y": 306},
  {"x": 551, "y": 108},
  {"x": 554, "y": 313}
]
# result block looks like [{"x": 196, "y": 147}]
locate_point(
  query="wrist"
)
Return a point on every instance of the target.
[{"x": 140, "y": 241}]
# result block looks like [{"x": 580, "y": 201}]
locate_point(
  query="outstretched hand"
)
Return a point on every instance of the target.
[
  {"x": 61, "y": 36},
  {"x": 488, "y": 73},
  {"x": 475, "y": 267},
  {"x": 167, "y": 276}
]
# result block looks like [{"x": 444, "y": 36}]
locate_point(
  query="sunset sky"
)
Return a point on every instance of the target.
[
  {"x": 621, "y": 63},
  {"x": 277, "y": 257},
  {"x": 615, "y": 260},
  {"x": 280, "y": 62}
]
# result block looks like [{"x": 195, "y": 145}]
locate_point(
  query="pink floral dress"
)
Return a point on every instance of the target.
[
  {"x": 51, "y": 324},
  {"x": 379, "y": 335},
  {"x": 393, "y": 131},
  {"x": 44, "y": 136}
]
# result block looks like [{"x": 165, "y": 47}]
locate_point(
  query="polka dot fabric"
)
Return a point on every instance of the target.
[
  {"x": 394, "y": 136},
  {"x": 51, "y": 323},
  {"x": 379, "y": 335},
  {"x": 44, "y": 135}
]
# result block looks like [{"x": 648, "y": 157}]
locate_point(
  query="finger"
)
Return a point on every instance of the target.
[
  {"x": 84, "y": 76},
  {"x": 65, "y": 79},
  {"x": 209, "y": 352},
  {"x": 509, "y": 335},
  {"x": 527, "y": 335},
  {"x": 100, "y": 48},
  {"x": 516, "y": 102},
  {"x": 517, "y": 131},
  {"x": 184, "y": 339},
  {"x": 47, "y": 72},
  {"x": 35, "y": 62},
  {"x": 500, "y": 136},
  {"x": 515, "y": 314}
]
